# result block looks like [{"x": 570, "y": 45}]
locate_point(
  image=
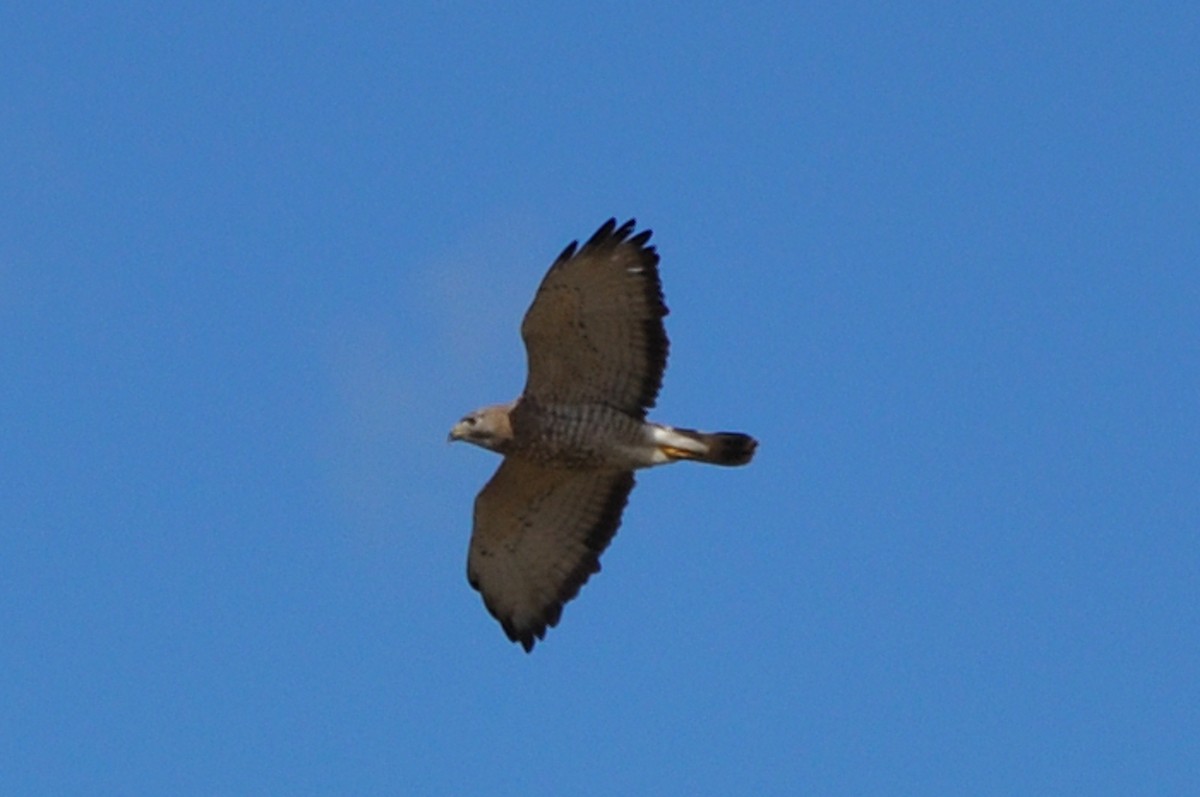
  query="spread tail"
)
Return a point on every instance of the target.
[{"x": 715, "y": 448}]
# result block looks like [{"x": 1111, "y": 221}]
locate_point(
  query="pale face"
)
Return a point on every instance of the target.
[{"x": 488, "y": 428}]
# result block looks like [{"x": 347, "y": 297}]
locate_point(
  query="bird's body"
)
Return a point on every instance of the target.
[
  {"x": 561, "y": 435},
  {"x": 564, "y": 436},
  {"x": 597, "y": 350}
]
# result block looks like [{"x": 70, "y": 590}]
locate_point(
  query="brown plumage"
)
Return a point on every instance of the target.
[{"x": 596, "y": 351}]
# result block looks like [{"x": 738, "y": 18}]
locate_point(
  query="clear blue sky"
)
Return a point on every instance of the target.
[{"x": 944, "y": 263}]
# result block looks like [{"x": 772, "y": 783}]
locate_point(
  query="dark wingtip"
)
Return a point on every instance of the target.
[
  {"x": 526, "y": 638},
  {"x": 567, "y": 252},
  {"x": 641, "y": 238},
  {"x": 601, "y": 235},
  {"x": 609, "y": 234}
]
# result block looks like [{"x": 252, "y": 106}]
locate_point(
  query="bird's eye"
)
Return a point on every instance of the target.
[{"x": 470, "y": 420}]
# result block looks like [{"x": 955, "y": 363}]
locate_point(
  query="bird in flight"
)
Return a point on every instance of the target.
[{"x": 596, "y": 351}]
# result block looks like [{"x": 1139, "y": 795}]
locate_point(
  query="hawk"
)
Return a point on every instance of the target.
[{"x": 596, "y": 351}]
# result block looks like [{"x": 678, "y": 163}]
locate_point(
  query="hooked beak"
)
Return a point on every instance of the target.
[{"x": 457, "y": 433}]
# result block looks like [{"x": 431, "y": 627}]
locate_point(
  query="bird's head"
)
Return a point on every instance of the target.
[{"x": 488, "y": 428}]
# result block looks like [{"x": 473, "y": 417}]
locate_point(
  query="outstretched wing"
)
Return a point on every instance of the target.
[
  {"x": 538, "y": 536},
  {"x": 594, "y": 333}
]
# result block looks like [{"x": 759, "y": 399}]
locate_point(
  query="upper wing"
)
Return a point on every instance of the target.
[
  {"x": 594, "y": 333},
  {"x": 538, "y": 536}
]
